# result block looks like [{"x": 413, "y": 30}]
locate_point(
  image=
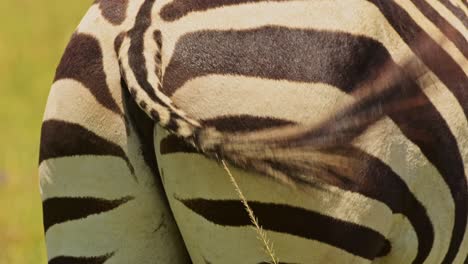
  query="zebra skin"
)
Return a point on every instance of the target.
[{"x": 345, "y": 123}]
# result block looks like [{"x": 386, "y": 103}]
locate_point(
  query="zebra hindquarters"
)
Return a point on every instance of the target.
[
  {"x": 320, "y": 224},
  {"x": 102, "y": 196}
]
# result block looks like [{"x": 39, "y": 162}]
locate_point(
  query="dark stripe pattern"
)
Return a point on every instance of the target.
[
  {"x": 369, "y": 177},
  {"x": 441, "y": 23},
  {"x": 278, "y": 53},
  {"x": 137, "y": 62},
  {"x": 438, "y": 60},
  {"x": 157, "y": 36},
  {"x": 373, "y": 178},
  {"x": 339, "y": 59},
  {"x": 179, "y": 8},
  {"x": 80, "y": 260},
  {"x": 136, "y": 56},
  {"x": 64, "y": 139},
  {"x": 457, "y": 11},
  {"x": 114, "y": 11},
  {"x": 64, "y": 209},
  {"x": 82, "y": 61},
  {"x": 295, "y": 221},
  {"x": 442, "y": 149},
  {"x": 345, "y": 61}
]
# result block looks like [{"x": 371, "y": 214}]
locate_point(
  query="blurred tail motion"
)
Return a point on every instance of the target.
[
  {"x": 296, "y": 153},
  {"x": 307, "y": 153}
]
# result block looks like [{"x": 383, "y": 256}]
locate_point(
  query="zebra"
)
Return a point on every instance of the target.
[{"x": 151, "y": 96}]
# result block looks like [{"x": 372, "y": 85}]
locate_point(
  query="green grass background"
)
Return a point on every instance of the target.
[{"x": 33, "y": 35}]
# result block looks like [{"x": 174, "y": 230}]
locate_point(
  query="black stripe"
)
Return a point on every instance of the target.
[
  {"x": 179, "y": 8},
  {"x": 442, "y": 150},
  {"x": 136, "y": 57},
  {"x": 157, "y": 36},
  {"x": 137, "y": 60},
  {"x": 114, "y": 11},
  {"x": 438, "y": 60},
  {"x": 80, "y": 260},
  {"x": 82, "y": 61},
  {"x": 118, "y": 43},
  {"x": 64, "y": 139},
  {"x": 355, "y": 239},
  {"x": 60, "y": 210},
  {"x": 244, "y": 123},
  {"x": 278, "y": 53},
  {"x": 135, "y": 53},
  {"x": 172, "y": 124},
  {"x": 373, "y": 178},
  {"x": 174, "y": 144},
  {"x": 443, "y": 25},
  {"x": 458, "y": 12}
]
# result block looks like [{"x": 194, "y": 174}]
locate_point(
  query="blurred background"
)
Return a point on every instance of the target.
[{"x": 33, "y": 35}]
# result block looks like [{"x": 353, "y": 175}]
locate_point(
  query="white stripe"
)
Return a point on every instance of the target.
[
  {"x": 87, "y": 176},
  {"x": 403, "y": 250},
  {"x": 217, "y": 95},
  {"x": 70, "y": 101}
]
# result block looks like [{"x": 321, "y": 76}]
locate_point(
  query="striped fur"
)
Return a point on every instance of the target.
[{"x": 362, "y": 105}]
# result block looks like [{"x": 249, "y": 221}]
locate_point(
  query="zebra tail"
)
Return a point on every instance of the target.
[{"x": 296, "y": 153}]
